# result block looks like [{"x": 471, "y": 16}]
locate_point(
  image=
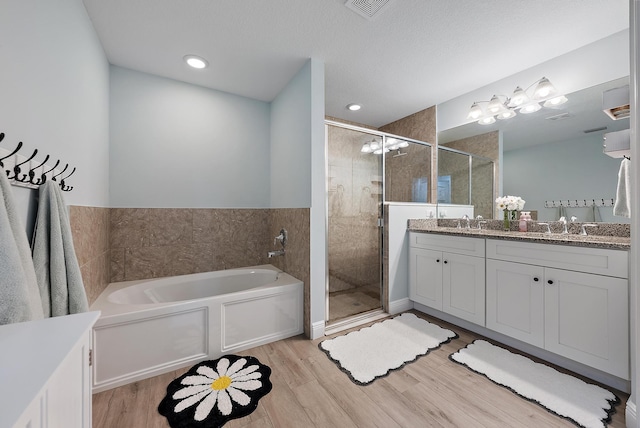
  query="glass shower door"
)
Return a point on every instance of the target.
[{"x": 354, "y": 235}]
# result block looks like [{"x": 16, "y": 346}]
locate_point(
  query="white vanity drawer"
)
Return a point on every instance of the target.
[
  {"x": 447, "y": 243},
  {"x": 591, "y": 260}
]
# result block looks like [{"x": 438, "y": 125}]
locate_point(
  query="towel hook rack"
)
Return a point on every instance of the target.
[{"x": 31, "y": 176}]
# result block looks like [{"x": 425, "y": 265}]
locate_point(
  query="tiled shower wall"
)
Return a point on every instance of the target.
[
  {"x": 90, "y": 229},
  {"x": 122, "y": 244}
]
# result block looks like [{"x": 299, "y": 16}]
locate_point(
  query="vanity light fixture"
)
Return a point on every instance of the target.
[
  {"x": 502, "y": 107},
  {"x": 353, "y": 107},
  {"x": 377, "y": 148},
  {"x": 195, "y": 61}
]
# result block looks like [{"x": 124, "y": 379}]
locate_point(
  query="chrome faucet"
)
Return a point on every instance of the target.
[
  {"x": 275, "y": 253},
  {"x": 563, "y": 220},
  {"x": 466, "y": 217},
  {"x": 282, "y": 239}
]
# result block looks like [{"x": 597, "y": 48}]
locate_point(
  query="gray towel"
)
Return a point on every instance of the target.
[
  {"x": 622, "y": 206},
  {"x": 19, "y": 296},
  {"x": 54, "y": 257}
]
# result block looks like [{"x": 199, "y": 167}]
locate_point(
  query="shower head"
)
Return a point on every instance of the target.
[{"x": 399, "y": 154}]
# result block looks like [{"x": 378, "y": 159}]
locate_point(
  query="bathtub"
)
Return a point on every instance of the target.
[{"x": 154, "y": 326}]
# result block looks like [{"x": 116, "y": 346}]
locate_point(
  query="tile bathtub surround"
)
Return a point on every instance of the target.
[
  {"x": 90, "y": 229},
  {"x": 297, "y": 260},
  {"x": 157, "y": 242}
]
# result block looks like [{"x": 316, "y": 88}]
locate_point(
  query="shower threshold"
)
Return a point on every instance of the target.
[{"x": 355, "y": 321}]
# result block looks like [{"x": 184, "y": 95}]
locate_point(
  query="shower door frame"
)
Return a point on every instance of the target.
[{"x": 382, "y": 221}]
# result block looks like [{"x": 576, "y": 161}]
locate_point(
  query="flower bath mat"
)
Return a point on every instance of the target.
[
  {"x": 584, "y": 404},
  {"x": 374, "y": 351},
  {"x": 213, "y": 392}
]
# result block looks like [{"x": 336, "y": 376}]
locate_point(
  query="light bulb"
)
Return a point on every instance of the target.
[
  {"x": 487, "y": 120},
  {"x": 506, "y": 114},
  {"x": 474, "y": 112},
  {"x": 530, "y": 108},
  {"x": 556, "y": 101},
  {"x": 196, "y": 61},
  {"x": 544, "y": 89},
  {"x": 403, "y": 144},
  {"x": 354, "y": 107},
  {"x": 518, "y": 98},
  {"x": 366, "y": 148},
  {"x": 495, "y": 105}
]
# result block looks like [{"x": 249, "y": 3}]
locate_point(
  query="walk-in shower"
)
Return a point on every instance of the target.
[{"x": 365, "y": 169}]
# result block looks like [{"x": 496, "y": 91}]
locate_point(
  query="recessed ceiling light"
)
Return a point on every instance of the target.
[
  {"x": 196, "y": 61},
  {"x": 354, "y": 107}
]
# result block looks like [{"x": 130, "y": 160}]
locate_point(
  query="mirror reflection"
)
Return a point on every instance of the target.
[{"x": 552, "y": 158}]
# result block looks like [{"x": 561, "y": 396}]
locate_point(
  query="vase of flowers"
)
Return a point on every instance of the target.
[{"x": 509, "y": 205}]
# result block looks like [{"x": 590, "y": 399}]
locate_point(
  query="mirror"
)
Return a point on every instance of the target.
[{"x": 554, "y": 158}]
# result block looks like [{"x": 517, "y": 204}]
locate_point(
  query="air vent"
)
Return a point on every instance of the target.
[
  {"x": 560, "y": 116},
  {"x": 589, "y": 131},
  {"x": 615, "y": 103},
  {"x": 368, "y": 9}
]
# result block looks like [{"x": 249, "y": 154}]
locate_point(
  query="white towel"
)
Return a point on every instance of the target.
[
  {"x": 622, "y": 207},
  {"x": 19, "y": 296},
  {"x": 54, "y": 257}
]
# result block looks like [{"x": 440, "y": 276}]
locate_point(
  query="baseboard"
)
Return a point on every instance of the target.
[
  {"x": 400, "y": 305},
  {"x": 317, "y": 330},
  {"x": 630, "y": 414}
]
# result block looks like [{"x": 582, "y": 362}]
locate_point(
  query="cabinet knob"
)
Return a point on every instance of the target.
[
  {"x": 550, "y": 282},
  {"x": 445, "y": 262},
  {"x": 536, "y": 279},
  {"x": 437, "y": 260}
]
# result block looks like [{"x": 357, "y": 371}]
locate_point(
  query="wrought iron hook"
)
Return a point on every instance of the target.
[
  {"x": 32, "y": 173},
  {"x": 10, "y": 154},
  {"x": 44, "y": 174},
  {"x": 17, "y": 169},
  {"x": 63, "y": 186},
  {"x": 60, "y": 173}
]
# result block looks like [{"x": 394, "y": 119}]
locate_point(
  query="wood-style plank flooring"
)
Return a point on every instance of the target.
[{"x": 310, "y": 391}]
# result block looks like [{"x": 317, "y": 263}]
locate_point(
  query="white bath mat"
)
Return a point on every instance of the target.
[
  {"x": 582, "y": 403},
  {"x": 373, "y": 351}
]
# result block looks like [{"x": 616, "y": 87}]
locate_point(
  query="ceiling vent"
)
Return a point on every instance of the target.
[
  {"x": 615, "y": 103},
  {"x": 560, "y": 116},
  {"x": 368, "y": 9}
]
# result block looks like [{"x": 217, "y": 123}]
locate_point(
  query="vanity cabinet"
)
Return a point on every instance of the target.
[
  {"x": 44, "y": 367},
  {"x": 572, "y": 301},
  {"x": 448, "y": 274}
]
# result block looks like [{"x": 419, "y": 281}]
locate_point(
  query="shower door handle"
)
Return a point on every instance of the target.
[{"x": 380, "y": 223}]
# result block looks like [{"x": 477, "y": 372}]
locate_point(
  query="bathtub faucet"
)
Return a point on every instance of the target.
[{"x": 275, "y": 253}]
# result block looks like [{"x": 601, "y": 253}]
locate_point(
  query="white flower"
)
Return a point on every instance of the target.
[
  {"x": 220, "y": 386},
  {"x": 510, "y": 203}
]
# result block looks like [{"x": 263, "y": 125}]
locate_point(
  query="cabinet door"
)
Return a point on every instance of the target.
[
  {"x": 586, "y": 319},
  {"x": 463, "y": 291},
  {"x": 515, "y": 300},
  {"x": 69, "y": 390},
  {"x": 425, "y": 277}
]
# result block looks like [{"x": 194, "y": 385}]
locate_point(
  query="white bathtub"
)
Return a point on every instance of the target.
[{"x": 154, "y": 326}]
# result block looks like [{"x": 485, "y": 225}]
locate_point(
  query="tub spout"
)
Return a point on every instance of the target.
[{"x": 275, "y": 253}]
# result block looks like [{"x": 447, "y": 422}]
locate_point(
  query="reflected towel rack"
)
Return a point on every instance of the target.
[
  {"x": 26, "y": 172},
  {"x": 580, "y": 203}
]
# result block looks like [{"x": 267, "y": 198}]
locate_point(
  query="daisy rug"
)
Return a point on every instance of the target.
[
  {"x": 372, "y": 352},
  {"x": 213, "y": 392},
  {"x": 582, "y": 403}
]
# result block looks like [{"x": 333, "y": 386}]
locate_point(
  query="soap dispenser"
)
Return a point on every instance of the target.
[{"x": 522, "y": 226}]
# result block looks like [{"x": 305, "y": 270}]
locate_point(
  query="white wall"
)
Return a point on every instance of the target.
[
  {"x": 575, "y": 169},
  {"x": 601, "y": 61},
  {"x": 291, "y": 143},
  {"x": 399, "y": 246},
  {"x": 54, "y": 81},
  {"x": 175, "y": 144}
]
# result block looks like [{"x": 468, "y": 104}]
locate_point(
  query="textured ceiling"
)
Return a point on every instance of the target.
[{"x": 415, "y": 54}]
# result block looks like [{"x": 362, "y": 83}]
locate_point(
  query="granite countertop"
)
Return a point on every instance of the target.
[{"x": 593, "y": 241}]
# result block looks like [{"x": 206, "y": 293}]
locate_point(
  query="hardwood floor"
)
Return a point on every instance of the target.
[{"x": 310, "y": 391}]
